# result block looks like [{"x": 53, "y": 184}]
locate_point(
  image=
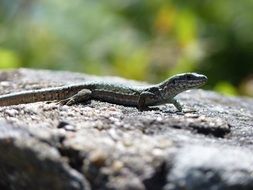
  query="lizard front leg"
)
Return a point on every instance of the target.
[
  {"x": 180, "y": 107},
  {"x": 82, "y": 96},
  {"x": 176, "y": 104}
]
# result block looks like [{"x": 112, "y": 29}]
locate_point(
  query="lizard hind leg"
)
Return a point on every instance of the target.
[
  {"x": 142, "y": 100},
  {"x": 82, "y": 96}
]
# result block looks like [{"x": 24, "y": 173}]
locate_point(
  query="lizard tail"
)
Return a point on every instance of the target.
[{"x": 47, "y": 94}]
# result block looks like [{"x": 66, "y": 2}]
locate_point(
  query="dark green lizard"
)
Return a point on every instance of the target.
[{"x": 140, "y": 97}]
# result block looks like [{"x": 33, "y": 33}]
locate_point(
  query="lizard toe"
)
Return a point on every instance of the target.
[
  {"x": 70, "y": 102},
  {"x": 62, "y": 102}
]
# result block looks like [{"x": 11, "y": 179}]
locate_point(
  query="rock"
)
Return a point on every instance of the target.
[
  {"x": 30, "y": 163},
  {"x": 105, "y": 146},
  {"x": 211, "y": 167}
]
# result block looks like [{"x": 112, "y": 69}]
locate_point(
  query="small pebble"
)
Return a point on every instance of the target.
[
  {"x": 66, "y": 126},
  {"x": 117, "y": 166},
  {"x": 98, "y": 158}
]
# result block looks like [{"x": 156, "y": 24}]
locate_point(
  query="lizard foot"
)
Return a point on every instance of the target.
[
  {"x": 188, "y": 111},
  {"x": 67, "y": 101},
  {"x": 53, "y": 101},
  {"x": 82, "y": 96}
]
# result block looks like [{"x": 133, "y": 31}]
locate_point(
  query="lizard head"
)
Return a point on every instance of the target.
[{"x": 181, "y": 82}]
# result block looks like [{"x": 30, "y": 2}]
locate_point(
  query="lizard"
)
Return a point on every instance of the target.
[{"x": 135, "y": 96}]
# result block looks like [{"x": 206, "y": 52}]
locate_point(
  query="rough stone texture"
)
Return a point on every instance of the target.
[
  {"x": 105, "y": 146},
  {"x": 28, "y": 162}
]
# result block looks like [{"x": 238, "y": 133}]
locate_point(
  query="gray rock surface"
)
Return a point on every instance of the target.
[{"x": 106, "y": 146}]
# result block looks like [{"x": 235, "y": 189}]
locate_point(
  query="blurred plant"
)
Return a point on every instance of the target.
[
  {"x": 144, "y": 40},
  {"x": 8, "y": 59},
  {"x": 226, "y": 33}
]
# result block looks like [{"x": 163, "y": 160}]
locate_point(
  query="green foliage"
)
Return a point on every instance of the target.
[
  {"x": 8, "y": 59},
  {"x": 225, "y": 88},
  {"x": 144, "y": 40}
]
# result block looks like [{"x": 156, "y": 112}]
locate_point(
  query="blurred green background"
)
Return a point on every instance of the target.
[{"x": 144, "y": 40}]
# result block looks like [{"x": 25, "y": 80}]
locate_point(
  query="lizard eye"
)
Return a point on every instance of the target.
[
  {"x": 189, "y": 77},
  {"x": 154, "y": 90}
]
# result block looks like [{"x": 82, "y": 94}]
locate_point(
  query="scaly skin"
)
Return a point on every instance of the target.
[{"x": 140, "y": 97}]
